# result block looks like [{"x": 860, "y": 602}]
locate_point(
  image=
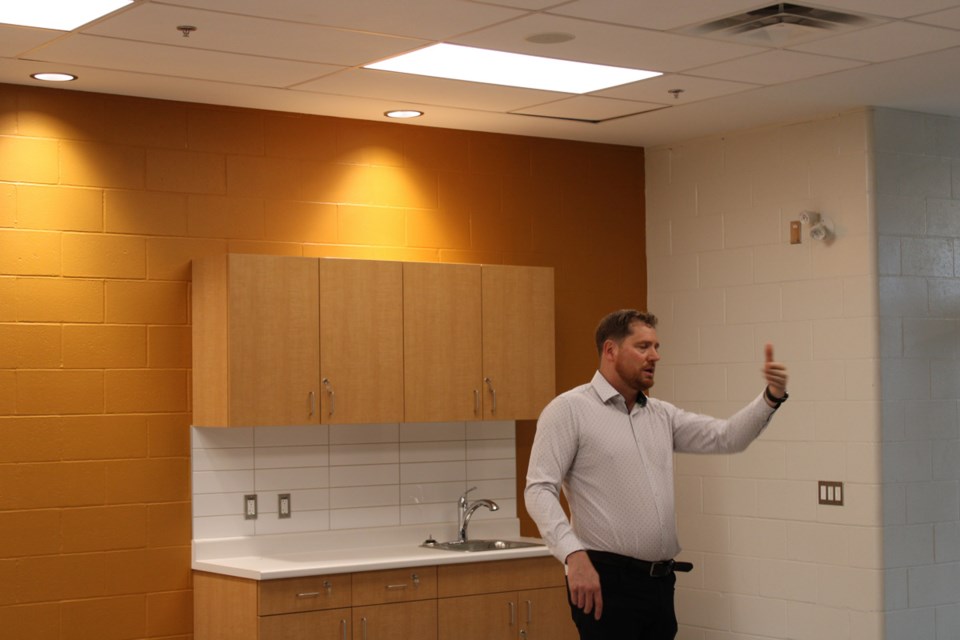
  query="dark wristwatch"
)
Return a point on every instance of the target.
[{"x": 772, "y": 398}]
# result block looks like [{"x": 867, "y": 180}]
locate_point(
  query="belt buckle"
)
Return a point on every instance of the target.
[{"x": 661, "y": 569}]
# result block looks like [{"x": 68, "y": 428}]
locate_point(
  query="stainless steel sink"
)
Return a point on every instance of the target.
[{"x": 480, "y": 545}]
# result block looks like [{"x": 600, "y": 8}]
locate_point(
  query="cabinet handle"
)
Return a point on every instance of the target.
[
  {"x": 343, "y": 629},
  {"x": 513, "y": 613},
  {"x": 333, "y": 396},
  {"x": 476, "y": 402},
  {"x": 363, "y": 628},
  {"x": 413, "y": 577},
  {"x": 327, "y": 585},
  {"x": 523, "y": 634},
  {"x": 493, "y": 392},
  {"x": 529, "y": 612},
  {"x": 312, "y": 397}
]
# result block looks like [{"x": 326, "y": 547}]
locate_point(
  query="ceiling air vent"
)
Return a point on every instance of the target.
[{"x": 780, "y": 25}]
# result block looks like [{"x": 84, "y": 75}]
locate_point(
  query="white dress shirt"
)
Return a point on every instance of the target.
[{"x": 616, "y": 468}]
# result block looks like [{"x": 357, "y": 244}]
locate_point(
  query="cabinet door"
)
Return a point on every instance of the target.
[
  {"x": 404, "y": 621},
  {"x": 274, "y": 344},
  {"x": 361, "y": 338},
  {"x": 441, "y": 342},
  {"x": 518, "y": 341},
  {"x": 545, "y": 614},
  {"x": 483, "y": 617},
  {"x": 315, "y": 625}
]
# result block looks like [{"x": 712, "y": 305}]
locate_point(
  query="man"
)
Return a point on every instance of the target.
[{"x": 611, "y": 446}]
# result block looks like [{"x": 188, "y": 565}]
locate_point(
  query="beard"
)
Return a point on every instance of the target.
[{"x": 636, "y": 377}]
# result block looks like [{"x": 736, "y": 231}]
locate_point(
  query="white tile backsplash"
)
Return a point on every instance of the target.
[
  {"x": 349, "y": 476},
  {"x": 364, "y": 475},
  {"x": 356, "y": 454}
]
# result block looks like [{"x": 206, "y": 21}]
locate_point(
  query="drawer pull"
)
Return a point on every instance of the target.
[
  {"x": 327, "y": 585},
  {"x": 513, "y": 613},
  {"x": 413, "y": 577},
  {"x": 529, "y": 612},
  {"x": 343, "y": 629}
]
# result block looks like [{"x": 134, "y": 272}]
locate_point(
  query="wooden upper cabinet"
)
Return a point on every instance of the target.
[
  {"x": 294, "y": 341},
  {"x": 361, "y": 338},
  {"x": 256, "y": 350},
  {"x": 441, "y": 342},
  {"x": 518, "y": 341}
]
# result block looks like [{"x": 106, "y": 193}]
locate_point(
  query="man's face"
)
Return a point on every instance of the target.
[{"x": 635, "y": 359}]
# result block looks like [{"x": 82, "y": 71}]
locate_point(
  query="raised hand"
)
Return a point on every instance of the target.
[{"x": 775, "y": 373}]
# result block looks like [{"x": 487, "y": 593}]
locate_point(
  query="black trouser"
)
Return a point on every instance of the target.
[{"x": 636, "y": 606}]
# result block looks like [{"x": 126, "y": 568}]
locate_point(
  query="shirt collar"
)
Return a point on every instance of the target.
[{"x": 606, "y": 391}]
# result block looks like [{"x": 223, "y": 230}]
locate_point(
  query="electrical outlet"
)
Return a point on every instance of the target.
[
  {"x": 250, "y": 506},
  {"x": 284, "y": 508},
  {"x": 831, "y": 493}
]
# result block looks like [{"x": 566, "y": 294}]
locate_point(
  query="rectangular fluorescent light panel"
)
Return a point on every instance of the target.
[
  {"x": 457, "y": 62},
  {"x": 63, "y": 15}
]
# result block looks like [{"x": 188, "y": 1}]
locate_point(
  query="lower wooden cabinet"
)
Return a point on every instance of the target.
[
  {"x": 510, "y": 600},
  {"x": 531, "y": 614},
  {"x": 316, "y": 625},
  {"x": 522, "y": 599},
  {"x": 403, "y": 621}
]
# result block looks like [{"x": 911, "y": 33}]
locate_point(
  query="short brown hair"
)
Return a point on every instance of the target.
[{"x": 616, "y": 326}]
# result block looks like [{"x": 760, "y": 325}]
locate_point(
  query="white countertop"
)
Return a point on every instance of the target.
[{"x": 323, "y": 553}]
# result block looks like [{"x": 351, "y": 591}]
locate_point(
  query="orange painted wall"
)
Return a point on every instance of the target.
[{"x": 104, "y": 200}]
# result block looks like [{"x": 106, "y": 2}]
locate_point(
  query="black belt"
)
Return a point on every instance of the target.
[{"x": 659, "y": 569}]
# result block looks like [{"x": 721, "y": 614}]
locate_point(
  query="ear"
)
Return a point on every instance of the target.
[{"x": 609, "y": 350}]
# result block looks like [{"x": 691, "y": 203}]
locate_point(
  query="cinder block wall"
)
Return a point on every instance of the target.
[
  {"x": 104, "y": 201},
  {"x": 772, "y": 562}
]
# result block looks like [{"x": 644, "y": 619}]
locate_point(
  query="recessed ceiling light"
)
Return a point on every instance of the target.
[
  {"x": 457, "y": 62},
  {"x": 63, "y": 15},
  {"x": 53, "y": 77},
  {"x": 403, "y": 113}
]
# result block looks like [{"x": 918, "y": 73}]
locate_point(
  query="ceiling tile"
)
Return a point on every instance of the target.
[
  {"x": 253, "y": 36},
  {"x": 589, "y": 108},
  {"x": 17, "y": 40},
  {"x": 606, "y": 44},
  {"x": 775, "y": 67},
  {"x": 949, "y": 18},
  {"x": 885, "y": 42},
  {"x": 655, "y": 14},
  {"x": 658, "y": 89},
  {"x": 425, "y": 91},
  {"x": 891, "y": 8},
  {"x": 432, "y": 19},
  {"x": 110, "y": 53}
]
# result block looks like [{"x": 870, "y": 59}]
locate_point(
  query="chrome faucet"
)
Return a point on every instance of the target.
[{"x": 465, "y": 512}]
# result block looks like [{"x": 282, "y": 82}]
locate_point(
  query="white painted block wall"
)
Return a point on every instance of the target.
[{"x": 724, "y": 279}]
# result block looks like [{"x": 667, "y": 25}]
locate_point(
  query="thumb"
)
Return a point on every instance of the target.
[{"x": 768, "y": 352}]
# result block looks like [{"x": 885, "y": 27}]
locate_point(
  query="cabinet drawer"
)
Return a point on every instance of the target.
[
  {"x": 501, "y": 575},
  {"x": 304, "y": 594},
  {"x": 394, "y": 585},
  {"x": 316, "y": 625}
]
